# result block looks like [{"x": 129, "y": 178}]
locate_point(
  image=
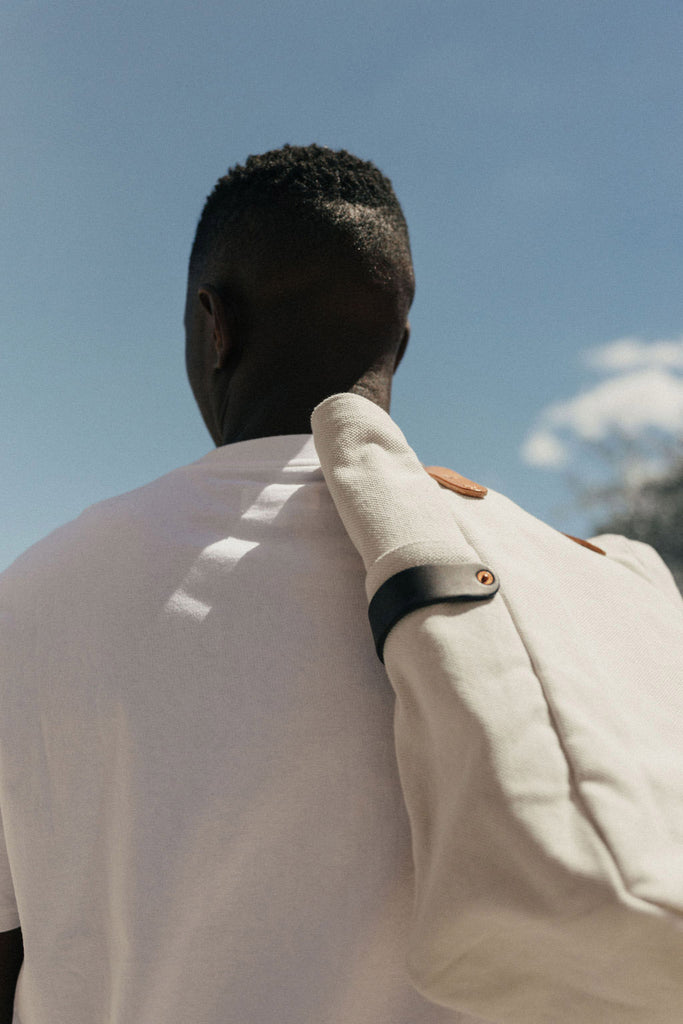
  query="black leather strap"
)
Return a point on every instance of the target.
[{"x": 423, "y": 585}]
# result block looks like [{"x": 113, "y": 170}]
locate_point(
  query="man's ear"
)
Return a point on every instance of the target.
[
  {"x": 220, "y": 325},
  {"x": 402, "y": 347}
]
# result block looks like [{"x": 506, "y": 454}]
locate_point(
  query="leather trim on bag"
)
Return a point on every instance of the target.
[
  {"x": 585, "y": 544},
  {"x": 423, "y": 585},
  {"x": 456, "y": 482}
]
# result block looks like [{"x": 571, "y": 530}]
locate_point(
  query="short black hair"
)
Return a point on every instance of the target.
[{"x": 310, "y": 189}]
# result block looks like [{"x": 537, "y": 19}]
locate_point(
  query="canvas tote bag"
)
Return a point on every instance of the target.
[{"x": 539, "y": 739}]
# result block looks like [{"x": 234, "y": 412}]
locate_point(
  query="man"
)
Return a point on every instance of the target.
[
  {"x": 200, "y": 753},
  {"x": 201, "y": 809}
]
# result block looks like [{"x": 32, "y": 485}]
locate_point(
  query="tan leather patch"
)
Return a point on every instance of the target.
[
  {"x": 455, "y": 482},
  {"x": 585, "y": 544}
]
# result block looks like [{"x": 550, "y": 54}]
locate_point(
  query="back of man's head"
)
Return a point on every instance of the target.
[{"x": 304, "y": 253}]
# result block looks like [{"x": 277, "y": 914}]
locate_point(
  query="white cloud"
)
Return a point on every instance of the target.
[
  {"x": 632, "y": 353},
  {"x": 644, "y": 395},
  {"x": 542, "y": 448},
  {"x": 630, "y": 404}
]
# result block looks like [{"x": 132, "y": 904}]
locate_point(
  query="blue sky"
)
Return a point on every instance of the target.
[{"x": 535, "y": 147}]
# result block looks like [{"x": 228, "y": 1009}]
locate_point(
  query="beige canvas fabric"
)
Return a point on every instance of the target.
[{"x": 540, "y": 746}]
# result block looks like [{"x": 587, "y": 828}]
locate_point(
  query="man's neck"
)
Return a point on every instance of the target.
[{"x": 287, "y": 414}]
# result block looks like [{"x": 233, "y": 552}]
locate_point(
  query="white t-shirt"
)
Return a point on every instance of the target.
[{"x": 202, "y": 816}]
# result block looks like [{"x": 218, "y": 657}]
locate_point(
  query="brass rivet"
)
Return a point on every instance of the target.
[{"x": 485, "y": 577}]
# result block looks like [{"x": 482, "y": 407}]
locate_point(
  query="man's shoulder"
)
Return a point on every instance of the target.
[{"x": 94, "y": 535}]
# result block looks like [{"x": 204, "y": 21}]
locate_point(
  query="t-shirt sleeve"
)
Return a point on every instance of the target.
[{"x": 9, "y": 914}]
